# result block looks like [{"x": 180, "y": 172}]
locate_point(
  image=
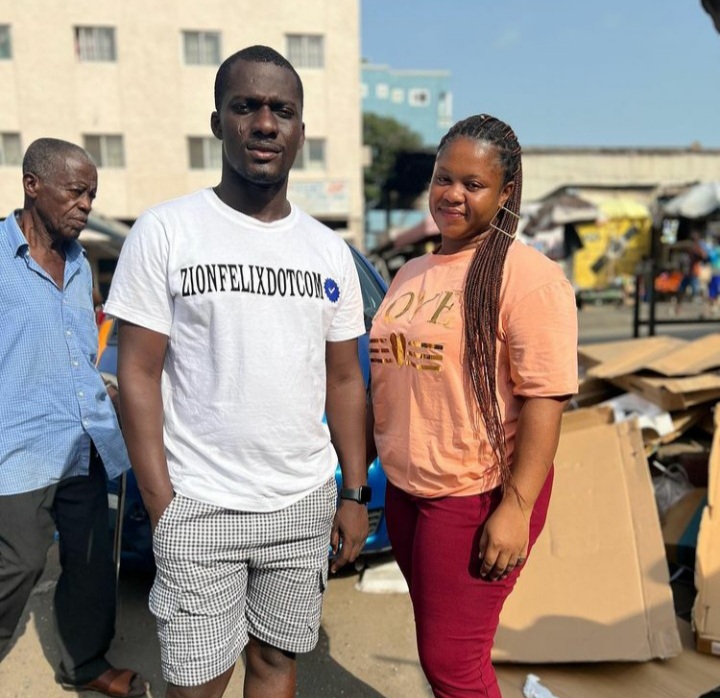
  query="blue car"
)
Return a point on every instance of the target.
[{"x": 136, "y": 545}]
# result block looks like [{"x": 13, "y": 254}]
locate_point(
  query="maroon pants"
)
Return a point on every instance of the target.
[{"x": 435, "y": 542}]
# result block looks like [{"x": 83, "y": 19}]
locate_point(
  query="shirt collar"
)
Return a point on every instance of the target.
[{"x": 18, "y": 244}]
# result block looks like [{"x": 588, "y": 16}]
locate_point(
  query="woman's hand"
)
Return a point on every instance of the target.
[{"x": 504, "y": 540}]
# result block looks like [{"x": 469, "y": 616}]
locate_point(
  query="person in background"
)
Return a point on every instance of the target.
[
  {"x": 59, "y": 437},
  {"x": 474, "y": 358},
  {"x": 694, "y": 259},
  {"x": 713, "y": 287},
  {"x": 239, "y": 323}
]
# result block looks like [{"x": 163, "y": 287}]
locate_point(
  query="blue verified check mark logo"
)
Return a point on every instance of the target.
[{"x": 332, "y": 290}]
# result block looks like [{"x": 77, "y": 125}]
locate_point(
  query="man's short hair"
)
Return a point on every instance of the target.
[
  {"x": 252, "y": 54},
  {"x": 42, "y": 156}
]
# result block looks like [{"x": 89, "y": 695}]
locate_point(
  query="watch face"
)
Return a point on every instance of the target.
[{"x": 361, "y": 494}]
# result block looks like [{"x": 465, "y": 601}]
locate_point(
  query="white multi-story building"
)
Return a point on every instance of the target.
[{"x": 132, "y": 82}]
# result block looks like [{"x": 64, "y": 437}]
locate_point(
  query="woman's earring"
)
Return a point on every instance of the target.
[{"x": 500, "y": 230}]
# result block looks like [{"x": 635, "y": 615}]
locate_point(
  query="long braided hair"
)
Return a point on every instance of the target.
[{"x": 484, "y": 277}]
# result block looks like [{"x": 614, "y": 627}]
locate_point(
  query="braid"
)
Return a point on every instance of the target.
[{"x": 481, "y": 308}]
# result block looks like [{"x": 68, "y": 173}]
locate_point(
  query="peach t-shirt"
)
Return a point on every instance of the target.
[{"x": 430, "y": 438}]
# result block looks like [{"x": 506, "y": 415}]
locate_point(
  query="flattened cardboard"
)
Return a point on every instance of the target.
[
  {"x": 582, "y": 419},
  {"x": 609, "y": 359},
  {"x": 673, "y": 393},
  {"x": 666, "y": 356},
  {"x": 670, "y": 372},
  {"x": 683, "y": 421},
  {"x": 596, "y": 586},
  {"x": 695, "y": 357},
  {"x": 706, "y": 610},
  {"x": 593, "y": 390}
]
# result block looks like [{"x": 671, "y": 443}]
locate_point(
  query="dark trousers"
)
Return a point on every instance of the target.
[
  {"x": 84, "y": 607},
  {"x": 435, "y": 542}
]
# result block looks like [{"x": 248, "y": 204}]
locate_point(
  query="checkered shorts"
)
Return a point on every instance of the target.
[{"x": 224, "y": 574}]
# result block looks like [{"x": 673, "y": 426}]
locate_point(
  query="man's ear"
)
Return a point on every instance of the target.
[
  {"x": 302, "y": 137},
  {"x": 215, "y": 125},
  {"x": 31, "y": 185}
]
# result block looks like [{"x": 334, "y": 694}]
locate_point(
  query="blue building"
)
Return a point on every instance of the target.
[{"x": 419, "y": 99}]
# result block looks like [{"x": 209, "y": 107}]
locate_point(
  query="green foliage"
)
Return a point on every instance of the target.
[{"x": 386, "y": 138}]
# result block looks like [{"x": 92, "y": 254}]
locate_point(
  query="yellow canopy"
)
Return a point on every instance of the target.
[{"x": 624, "y": 208}]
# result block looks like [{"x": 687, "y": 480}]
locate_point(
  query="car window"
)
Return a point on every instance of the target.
[{"x": 372, "y": 290}]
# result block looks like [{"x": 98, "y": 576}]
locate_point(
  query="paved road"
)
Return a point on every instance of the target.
[
  {"x": 608, "y": 323},
  {"x": 366, "y": 648}
]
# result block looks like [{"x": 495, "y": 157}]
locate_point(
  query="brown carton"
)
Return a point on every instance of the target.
[
  {"x": 673, "y": 373},
  {"x": 706, "y": 611},
  {"x": 596, "y": 586},
  {"x": 680, "y": 527}
]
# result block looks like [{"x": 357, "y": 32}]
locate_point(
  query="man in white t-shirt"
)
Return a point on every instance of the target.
[{"x": 239, "y": 323}]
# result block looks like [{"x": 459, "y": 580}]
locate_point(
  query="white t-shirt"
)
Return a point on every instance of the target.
[{"x": 248, "y": 307}]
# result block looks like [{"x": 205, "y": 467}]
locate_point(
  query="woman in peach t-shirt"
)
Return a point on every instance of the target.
[{"x": 474, "y": 357}]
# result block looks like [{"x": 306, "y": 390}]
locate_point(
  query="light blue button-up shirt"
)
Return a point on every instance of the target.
[{"x": 52, "y": 399}]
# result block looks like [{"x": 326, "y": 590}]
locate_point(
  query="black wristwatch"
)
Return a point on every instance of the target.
[{"x": 361, "y": 495}]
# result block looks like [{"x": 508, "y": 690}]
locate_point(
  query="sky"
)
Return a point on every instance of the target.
[{"x": 564, "y": 72}]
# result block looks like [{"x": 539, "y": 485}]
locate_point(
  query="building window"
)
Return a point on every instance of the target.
[
  {"x": 205, "y": 153},
  {"x": 418, "y": 97},
  {"x": 363, "y": 90},
  {"x": 107, "y": 151},
  {"x": 306, "y": 50},
  {"x": 445, "y": 108},
  {"x": 5, "y": 45},
  {"x": 398, "y": 95},
  {"x": 95, "y": 43},
  {"x": 312, "y": 156},
  {"x": 382, "y": 90},
  {"x": 201, "y": 48},
  {"x": 10, "y": 149}
]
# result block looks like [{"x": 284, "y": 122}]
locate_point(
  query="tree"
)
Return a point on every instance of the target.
[
  {"x": 712, "y": 7},
  {"x": 387, "y": 139}
]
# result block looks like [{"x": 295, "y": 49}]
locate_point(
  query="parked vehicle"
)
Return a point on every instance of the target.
[{"x": 136, "y": 551}]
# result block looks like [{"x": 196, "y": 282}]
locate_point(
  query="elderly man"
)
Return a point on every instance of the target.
[{"x": 59, "y": 437}]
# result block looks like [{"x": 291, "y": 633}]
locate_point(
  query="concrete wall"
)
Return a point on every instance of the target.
[{"x": 546, "y": 169}]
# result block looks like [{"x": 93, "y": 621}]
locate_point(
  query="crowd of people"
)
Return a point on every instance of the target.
[{"x": 222, "y": 393}]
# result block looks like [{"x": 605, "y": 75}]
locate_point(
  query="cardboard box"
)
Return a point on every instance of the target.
[
  {"x": 668, "y": 356},
  {"x": 596, "y": 585},
  {"x": 684, "y": 420},
  {"x": 611, "y": 359},
  {"x": 585, "y": 418},
  {"x": 593, "y": 390},
  {"x": 671, "y": 372},
  {"x": 706, "y": 610},
  {"x": 681, "y": 525},
  {"x": 673, "y": 394}
]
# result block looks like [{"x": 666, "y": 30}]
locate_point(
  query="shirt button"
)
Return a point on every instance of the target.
[
  {"x": 86, "y": 422},
  {"x": 81, "y": 394},
  {"x": 75, "y": 363},
  {"x": 68, "y": 333}
]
